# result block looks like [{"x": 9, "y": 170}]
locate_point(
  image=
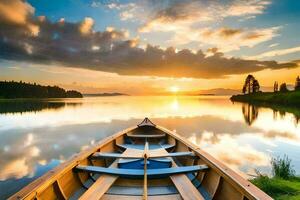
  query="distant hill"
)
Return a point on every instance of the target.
[
  {"x": 219, "y": 91},
  {"x": 14, "y": 90},
  {"x": 227, "y": 91},
  {"x": 105, "y": 94}
]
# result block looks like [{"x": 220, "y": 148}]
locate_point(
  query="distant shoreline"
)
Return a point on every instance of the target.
[
  {"x": 105, "y": 94},
  {"x": 290, "y": 98},
  {"x": 206, "y": 95},
  {"x": 22, "y": 90}
]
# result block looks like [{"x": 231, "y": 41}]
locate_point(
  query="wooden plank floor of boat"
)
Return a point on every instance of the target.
[
  {"x": 103, "y": 183},
  {"x": 121, "y": 197},
  {"x": 184, "y": 186}
]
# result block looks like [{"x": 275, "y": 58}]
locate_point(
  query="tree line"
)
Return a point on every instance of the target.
[
  {"x": 251, "y": 85},
  {"x": 12, "y": 89}
]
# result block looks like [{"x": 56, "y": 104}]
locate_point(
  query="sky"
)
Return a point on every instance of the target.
[{"x": 149, "y": 46}]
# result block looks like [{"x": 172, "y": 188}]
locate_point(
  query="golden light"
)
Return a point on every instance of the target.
[
  {"x": 175, "y": 105},
  {"x": 174, "y": 89}
]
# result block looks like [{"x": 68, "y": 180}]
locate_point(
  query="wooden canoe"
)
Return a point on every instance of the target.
[{"x": 142, "y": 162}]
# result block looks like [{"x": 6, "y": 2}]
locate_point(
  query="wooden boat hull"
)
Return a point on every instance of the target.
[{"x": 142, "y": 162}]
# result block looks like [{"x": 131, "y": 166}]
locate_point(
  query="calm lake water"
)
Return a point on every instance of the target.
[{"x": 37, "y": 136}]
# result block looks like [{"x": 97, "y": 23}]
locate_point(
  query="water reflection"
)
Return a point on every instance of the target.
[
  {"x": 34, "y": 142},
  {"x": 21, "y": 106},
  {"x": 283, "y": 110},
  {"x": 250, "y": 113}
]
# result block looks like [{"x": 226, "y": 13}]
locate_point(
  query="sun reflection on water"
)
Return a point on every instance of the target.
[{"x": 175, "y": 105}]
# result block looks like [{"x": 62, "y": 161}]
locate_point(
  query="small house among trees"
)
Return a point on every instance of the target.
[{"x": 251, "y": 85}]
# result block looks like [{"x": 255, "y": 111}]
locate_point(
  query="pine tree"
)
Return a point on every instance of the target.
[{"x": 251, "y": 85}]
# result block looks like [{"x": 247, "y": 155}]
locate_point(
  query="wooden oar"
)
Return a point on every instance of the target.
[{"x": 145, "y": 195}]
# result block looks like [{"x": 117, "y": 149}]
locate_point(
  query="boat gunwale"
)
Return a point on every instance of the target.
[{"x": 237, "y": 181}]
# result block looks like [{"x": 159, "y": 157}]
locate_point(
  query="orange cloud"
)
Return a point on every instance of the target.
[
  {"x": 86, "y": 25},
  {"x": 18, "y": 12}
]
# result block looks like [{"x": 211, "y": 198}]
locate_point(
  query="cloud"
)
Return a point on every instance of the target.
[
  {"x": 274, "y": 45},
  {"x": 250, "y": 7},
  {"x": 17, "y": 13},
  {"x": 189, "y": 21},
  {"x": 127, "y": 11},
  {"x": 189, "y": 12},
  {"x": 225, "y": 39},
  {"x": 178, "y": 14},
  {"x": 245, "y": 155},
  {"x": 78, "y": 45},
  {"x": 86, "y": 26},
  {"x": 227, "y": 32},
  {"x": 278, "y": 52}
]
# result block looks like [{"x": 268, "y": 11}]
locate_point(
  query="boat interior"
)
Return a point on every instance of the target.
[{"x": 145, "y": 162}]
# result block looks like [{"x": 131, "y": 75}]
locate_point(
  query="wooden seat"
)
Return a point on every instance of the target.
[
  {"x": 138, "y": 173},
  {"x": 145, "y": 135},
  {"x": 98, "y": 155},
  {"x": 141, "y": 146}
]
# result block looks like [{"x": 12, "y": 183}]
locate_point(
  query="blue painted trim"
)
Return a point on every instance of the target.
[
  {"x": 138, "y": 173},
  {"x": 119, "y": 155},
  {"x": 142, "y": 147}
]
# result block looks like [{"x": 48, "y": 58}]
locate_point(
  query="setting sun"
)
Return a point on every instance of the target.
[{"x": 174, "y": 89}]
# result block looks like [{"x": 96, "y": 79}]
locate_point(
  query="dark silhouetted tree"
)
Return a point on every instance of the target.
[
  {"x": 244, "y": 89},
  {"x": 251, "y": 85},
  {"x": 283, "y": 88},
  {"x": 276, "y": 86},
  {"x": 255, "y": 86},
  {"x": 297, "y": 84}
]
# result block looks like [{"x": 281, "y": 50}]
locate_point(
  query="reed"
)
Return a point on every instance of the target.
[
  {"x": 284, "y": 184},
  {"x": 282, "y": 167}
]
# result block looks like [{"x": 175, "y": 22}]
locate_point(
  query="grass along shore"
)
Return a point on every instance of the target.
[
  {"x": 290, "y": 98},
  {"x": 284, "y": 184}
]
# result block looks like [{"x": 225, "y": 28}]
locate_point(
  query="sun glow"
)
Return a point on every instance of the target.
[{"x": 174, "y": 89}]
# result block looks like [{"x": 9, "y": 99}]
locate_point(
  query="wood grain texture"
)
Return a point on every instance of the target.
[
  {"x": 184, "y": 186},
  {"x": 121, "y": 197},
  {"x": 146, "y": 151},
  {"x": 97, "y": 190},
  {"x": 103, "y": 183}
]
